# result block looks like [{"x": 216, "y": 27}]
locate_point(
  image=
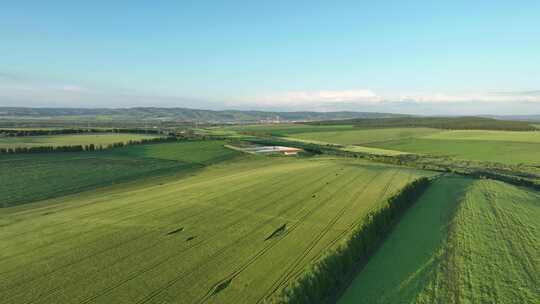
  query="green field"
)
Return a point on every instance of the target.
[
  {"x": 235, "y": 232},
  {"x": 365, "y": 136},
  {"x": 71, "y": 140},
  {"x": 28, "y": 177},
  {"x": 464, "y": 241},
  {"x": 284, "y": 129},
  {"x": 507, "y": 152},
  {"x": 507, "y": 147}
]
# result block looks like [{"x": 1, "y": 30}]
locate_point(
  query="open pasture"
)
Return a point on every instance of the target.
[
  {"x": 507, "y": 152},
  {"x": 464, "y": 241},
  {"x": 508, "y": 147},
  {"x": 28, "y": 177},
  {"x": 236, "y": 232},
  {"x": 71, "y": 140},
  {"x": 365, "y": 136}
]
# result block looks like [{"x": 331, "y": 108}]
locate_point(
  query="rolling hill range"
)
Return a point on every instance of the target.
[{"x": 178, "y": 114}]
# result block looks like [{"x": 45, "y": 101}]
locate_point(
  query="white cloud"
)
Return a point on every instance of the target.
[
  {"x": 484, "y": 97},
  {"x": 306, "y": 98}
]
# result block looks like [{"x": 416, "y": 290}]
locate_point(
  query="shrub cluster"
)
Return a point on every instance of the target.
[{"x": 324, "y": 281}]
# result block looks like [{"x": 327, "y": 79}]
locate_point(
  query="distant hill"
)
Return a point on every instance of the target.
[
  {"x": 534, "y": 118},
  {"x": 449, "y": 123},
  {"x": 181, "y": 114}
]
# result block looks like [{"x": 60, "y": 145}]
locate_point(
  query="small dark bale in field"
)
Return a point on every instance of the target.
[
  {"x": 222, "y": 286},
  {"x": 175, "y": 231},
  {"x": 190, "y": 238},
  {"x": 277, "y": 232}
]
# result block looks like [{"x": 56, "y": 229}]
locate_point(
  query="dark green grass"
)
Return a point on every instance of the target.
[
  {"x": 29, "y": 177},
  {"x": 195, "y": 152},
  {"x": 465, "y": 241},
  {"x": 399, "y": 268}
]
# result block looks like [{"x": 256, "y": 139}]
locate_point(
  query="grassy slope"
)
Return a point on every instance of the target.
[
  {"x": 463, "y": 242},
  {"x": 22, "y": 177},
  {"x": 69, "y": 140},
  {"x": 228, "y": 209}
]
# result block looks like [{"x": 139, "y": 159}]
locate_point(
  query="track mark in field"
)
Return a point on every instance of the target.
[
  {"x": 290, "y": 271},
  {"x": 152, "y": 246},
  {"x": 238, "y": 271},
  {"x": 158, "y": 263},
  {"x": 354, "y": 223},
  {"x": 212, "y": 198},
  {"x": 11, "y": 237},
  {"x": 265, "y": 249}
]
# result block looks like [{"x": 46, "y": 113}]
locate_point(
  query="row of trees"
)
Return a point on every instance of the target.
[
  {"x": 447, "y": 123},
  {"x": 327, "y": 277},
  {"x": 81, "y": 148},
  {"x": 38, "y": 132}
]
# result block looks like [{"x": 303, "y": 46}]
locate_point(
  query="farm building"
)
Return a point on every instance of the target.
[{"x": 274, "y": 149}]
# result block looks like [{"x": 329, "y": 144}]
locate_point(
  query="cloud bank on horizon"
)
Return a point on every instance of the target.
[{"x": 488, "y": 102}]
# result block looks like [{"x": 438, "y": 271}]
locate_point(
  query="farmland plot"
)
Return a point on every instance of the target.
[
  {"x": 235, "y": 233},
  {"x": 29, "y": 177}
]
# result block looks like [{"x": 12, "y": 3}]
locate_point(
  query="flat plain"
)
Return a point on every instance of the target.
[{"x": 236, "y": 232}]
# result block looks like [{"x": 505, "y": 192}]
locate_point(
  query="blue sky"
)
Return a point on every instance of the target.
[{"x": 401, "y": 56}]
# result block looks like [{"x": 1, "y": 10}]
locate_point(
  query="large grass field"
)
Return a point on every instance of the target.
[
  {"x": 70, "y": 140},
  {"x": 365, "y": 136},
  {"x": 508, "y": 147},
  {"x": 464, "y": 241},
  {"x": 28, "y": 177},
  {"x": 506, "y": 152},
  {"x": 235, "y": 232}
]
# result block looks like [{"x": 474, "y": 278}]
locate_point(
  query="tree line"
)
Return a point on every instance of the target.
[
  {"x": 445, "y": 123},
  {"x": 327, "y": 278},
  {"x": 82, "y": 148},
  {"x": 41, "y": 132}
]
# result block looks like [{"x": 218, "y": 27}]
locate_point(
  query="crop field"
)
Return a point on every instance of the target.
[
  {"x": 476, "y": 241},
  {"x": 235, "y": 232},
  {"x": 28, "y": 177},
  {"x": 70, "y": 140}
]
